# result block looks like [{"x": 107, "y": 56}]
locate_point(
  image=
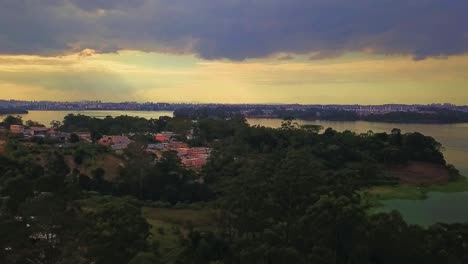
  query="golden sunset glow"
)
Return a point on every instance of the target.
[{"x": 140, "y": 76}]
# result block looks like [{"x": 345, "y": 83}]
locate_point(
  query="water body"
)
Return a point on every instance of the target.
[
  {"x": 438, "y": 207},
  {"x": 454, "y": 137}
]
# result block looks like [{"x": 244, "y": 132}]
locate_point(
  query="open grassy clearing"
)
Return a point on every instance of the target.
[
  {"x": 412, "y": 192},
  {"x": 169, "y": 225}
]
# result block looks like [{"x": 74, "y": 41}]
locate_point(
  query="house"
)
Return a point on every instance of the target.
[
  {"x": 17, "y": 129},
  {"x": 164, "y": 136},
  {"x": 119, "y": 147},
  {"x": 38, "y": 131},
  {"x": 114, "y": 140},
  {"x": 182, "y": 151},
  {"x": 175, "y": 145},
  {"x": 194, "y": 163},
  {"x": 61, "y": 136},
  {"x": 117, "y": 143},
  {"x": 85, "y": 136},
  {"x": 158, "y": 146},
  {"x": 199, "y": 151}
]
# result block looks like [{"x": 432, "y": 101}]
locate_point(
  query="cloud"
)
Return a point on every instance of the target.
[
  {"x": 236, "y": 30},
  {"x": 91, "y": 5},
  {"x": 86, "y": 53},
  {"x": 286, "y": 57}
]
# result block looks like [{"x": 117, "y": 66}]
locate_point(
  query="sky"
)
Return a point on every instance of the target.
[{"x": 235, "y": 51}]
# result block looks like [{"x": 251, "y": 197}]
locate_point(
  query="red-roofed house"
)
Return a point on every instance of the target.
[
  {"x": 194, "y": 163},
  {"x": 16, "y": 129}
]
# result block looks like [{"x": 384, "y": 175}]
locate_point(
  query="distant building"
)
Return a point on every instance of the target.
[
  {"x": 194, "y": 163},
  {"x": 38, "y": 131},
  {"x": 158, "y": 146},
  {"x": 175, "y": 145},
  {"x": 117, "y": 143},
  {"x": 85, "y": 136},
  {"x": 164, "y": 136},
  {"x": 17, "y": 129}
]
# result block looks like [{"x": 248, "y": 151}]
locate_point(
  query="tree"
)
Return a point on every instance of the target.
[
  {"x": 55, "y": 124},
  {"x": 396, "y": 138},
  {"x": 12, "y": 120},
  {"x": 74, "y": 138},
  {"x": 145, "y": 258},
  {"x": 116, "y": 232},
  {"x": 31, "y": 123},
  {"x": 312, "y": 128},
  {"x": 54, "y": 178}
]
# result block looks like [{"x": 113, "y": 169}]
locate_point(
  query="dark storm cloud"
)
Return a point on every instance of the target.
[
  {"x": 106, "y": 4},
  {"x": 236, "y": 29}
]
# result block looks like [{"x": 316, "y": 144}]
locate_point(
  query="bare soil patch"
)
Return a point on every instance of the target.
[{"x": 417, "y": 173}]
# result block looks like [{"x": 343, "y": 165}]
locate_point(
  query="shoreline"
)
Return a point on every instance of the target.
[
  {"x": 419, "y": 122},
  {"x": 414, "y": 192}
]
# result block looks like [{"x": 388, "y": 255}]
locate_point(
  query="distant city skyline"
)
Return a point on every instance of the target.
[{"x": 103, "y": 101}]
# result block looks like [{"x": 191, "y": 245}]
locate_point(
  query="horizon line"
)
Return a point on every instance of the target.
[{"x": 228, "y": 104}]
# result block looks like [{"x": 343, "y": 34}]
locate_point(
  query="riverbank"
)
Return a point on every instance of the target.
[{"x": 4, "y": 112}]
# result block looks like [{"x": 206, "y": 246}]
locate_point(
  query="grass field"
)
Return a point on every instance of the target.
[
  {"x": 168, "y": 226},
  {"x": 412, "y": 192}
]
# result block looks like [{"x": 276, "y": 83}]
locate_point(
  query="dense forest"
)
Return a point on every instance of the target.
[
  {"x": 424, "y": 115},
  {"x": 288, "y": 195}
]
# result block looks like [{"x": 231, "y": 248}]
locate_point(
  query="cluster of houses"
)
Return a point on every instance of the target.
[
  {"x": 29, "y": 132},
  {"x": 192, "y": 157}
]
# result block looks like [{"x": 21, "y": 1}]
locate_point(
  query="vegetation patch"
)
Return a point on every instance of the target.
[
  {"x": 412, "y": 192},
  {"x": 417, "y": 173},
  {"x": 169, "y": 226}
]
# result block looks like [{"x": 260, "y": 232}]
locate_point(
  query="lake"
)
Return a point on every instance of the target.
[
  {"x": 454, "y": 137},
  {"x": 438, "y": 207}
]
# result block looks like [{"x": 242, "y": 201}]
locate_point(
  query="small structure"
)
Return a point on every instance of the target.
[
  {"x": 61, "y": 136},
  {"x": 17, "y": 129},
  {"x": 175, "y": 145},
  {"x": 158, "y": 146},
  {"x": 38, "y": 131},
  {"x": 113, "y": 140},
  {"x": 85, "y": 136},
  {"x": 164, "y": 136},
  {"x": 117, "y": 143},
  {"x": 194, "y": 163}
]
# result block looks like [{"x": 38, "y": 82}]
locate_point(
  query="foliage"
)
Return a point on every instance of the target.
[
  {"x": 116, "y": 232},
  {"x": 12, "y": 120},
  {"x": 288, "y": 195},
  {"x": 110, "y": 125}
]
